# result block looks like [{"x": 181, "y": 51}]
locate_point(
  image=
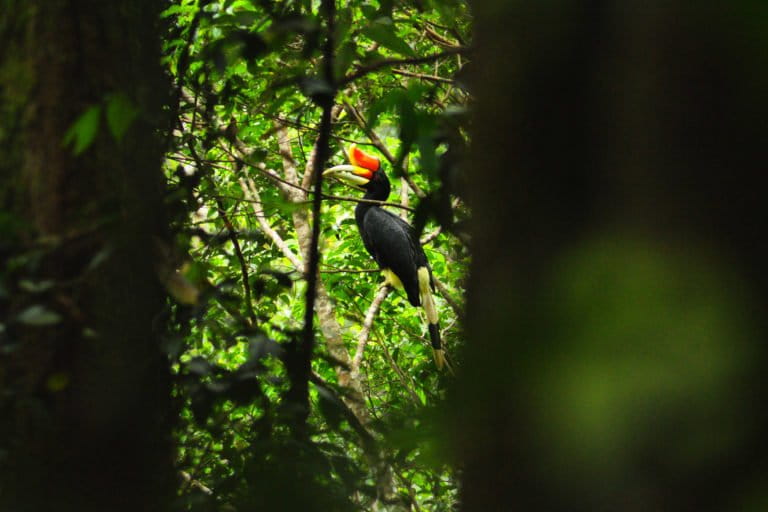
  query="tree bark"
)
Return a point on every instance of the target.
[
  {"x": 84, "y": 413},
  {"x": 615, "y": 249}
]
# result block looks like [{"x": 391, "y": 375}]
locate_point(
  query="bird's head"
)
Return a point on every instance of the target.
[{"x": 361, "y": 170}]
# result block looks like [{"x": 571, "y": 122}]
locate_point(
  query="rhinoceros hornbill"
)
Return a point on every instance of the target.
[{"x": 390, "y": 240}]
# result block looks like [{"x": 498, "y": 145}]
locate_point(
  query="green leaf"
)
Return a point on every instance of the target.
[
  {"x": 388, "y": 102},
  {"x": 246, "y": 18},
  {"x": 174, "y": 9},
  {"x": 369, "y": 11},
  {"x": 331, "y": 407},
  {"x": 344, "y": 58},
  {"x": 428, "y": 157},
  {"x": 382, "y": 31},
  {"x": 57, "y": 381},
  {"x": 36, "y": 286},
  {"x": 38, "y": 315},
  {"x": 120, "y": 114},
  {"x": 409, "y": 127},
  {"x": 83, "y": 131}
]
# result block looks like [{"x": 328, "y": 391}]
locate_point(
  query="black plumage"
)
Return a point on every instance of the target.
[{"x": 391, "y": 241}]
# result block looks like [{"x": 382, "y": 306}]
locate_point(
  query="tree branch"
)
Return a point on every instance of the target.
[
  {"x": 240, "y": 258},
  {"x": 369, "y": 443},
  {"x": 233, "y": 238},
  {"x": 249, "y": 189},
  {"x": 428, "y": 238},
  {"x": 437, "y": 38},
  {"x": 362, "y": 339},
  {"x": 377, "y": 142},
  {"x": 455, "y": 306},
  {"x": 404, "y": 379},
  {"x": 375, "y": 66},
  {"x": 284, "y": 185},
  {"x": 368, "y": 201},
  {"x": 295, "y": 194},
  {"x": 421, "y": 76}
]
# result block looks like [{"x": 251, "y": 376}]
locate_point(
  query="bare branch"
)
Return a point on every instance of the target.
[
  {"x": 385, "y": 63},
  {"x": 362, "y": 339},
  {"x": 421, "y": 76},
  {"x": 230, "y": 227},
  {"x": 455, "y": 306},
  {"x": 309, "y": 169},
  {"x": 368, "y": 201},
  {"x": 404, "y": 199},
  {"x": 250, "y": 191},
  {"x": 404, "y": 379},
  {"x": 437, "y": 38},
  {"x": 351, "y": 271},
  {"x": 377, "y": 142},
  {"x": 369, "y": 443},
  {"x": 284, "y": 185},
  {"x": 289, "y": 165},
  {"x": 240, "y": 258},
  {"x": 428, "y": 238}
]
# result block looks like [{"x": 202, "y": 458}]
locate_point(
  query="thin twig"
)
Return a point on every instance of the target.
[
  {"x": 289, "y": 166},
  {"x": 240, "y": 258},
  {"x": 249, "y": 189},
  {"x": 455, "y": 306},
  {"x": 422, "y": 76},
  {"x": 405, "y": 380},
  {"x": 368, "y": 201},
  {"x": 369, "y": 443},
  {"x": 362, "y": 339},
  {"x": 181, "y": 71},
  {"x": 350, "y": 271},
  {"x": 379, "y": 144},
  {"x": 428, "y": 238},
  {"x": 437, "y": 38},
  {"x": 310, "y": 169},
  {"x": 384, "y": 63},
  {"x": 230, "y": 227},
  {"x": 284, "y": 185}
]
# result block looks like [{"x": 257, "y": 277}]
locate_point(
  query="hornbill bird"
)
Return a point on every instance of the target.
[{"x": 391, "y": 241}]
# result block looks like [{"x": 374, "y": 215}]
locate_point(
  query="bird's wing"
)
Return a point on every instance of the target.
[{"x": 394, "y": 245}]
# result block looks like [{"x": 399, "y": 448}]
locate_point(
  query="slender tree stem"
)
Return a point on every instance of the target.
[{"x": 300, "y": 374}]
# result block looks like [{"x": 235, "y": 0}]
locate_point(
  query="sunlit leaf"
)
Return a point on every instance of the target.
[
  {"x": 382, "y": 30},
  {"x": 121, "y": 113},
  {"x": 83, "y": 131},
  {"x": 36, "y": 286},
  {"x": 38, "y": 315},
  {"x": 57, "y": 381},
  {"x": 344, "y": 58}
]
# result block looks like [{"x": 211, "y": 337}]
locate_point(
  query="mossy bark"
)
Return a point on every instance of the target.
[
  {"x": 84, "y": 411},
  {"x": 611, "y": 140}
]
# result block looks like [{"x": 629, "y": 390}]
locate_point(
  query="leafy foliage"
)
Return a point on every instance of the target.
[{"x": 245, "y": 124}]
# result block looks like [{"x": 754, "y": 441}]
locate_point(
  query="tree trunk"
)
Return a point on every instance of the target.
[
  {"x": 617, "y": 302},
  {"x": 84, "y": 411}
]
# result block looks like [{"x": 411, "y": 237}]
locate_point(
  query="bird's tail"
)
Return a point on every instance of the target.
[{"x": 428, "y": 303}]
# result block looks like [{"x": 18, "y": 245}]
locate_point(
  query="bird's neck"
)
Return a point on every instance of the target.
[
  {"x": 379, "y": 193},
  {"x": 379, "y": 188}
]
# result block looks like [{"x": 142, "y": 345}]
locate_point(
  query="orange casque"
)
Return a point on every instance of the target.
[{"x": 362, "y": 159}]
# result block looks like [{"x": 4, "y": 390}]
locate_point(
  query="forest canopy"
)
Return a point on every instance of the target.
[
  {"x": 206, "y": 207},
  {"x": 253, "y": 85}
]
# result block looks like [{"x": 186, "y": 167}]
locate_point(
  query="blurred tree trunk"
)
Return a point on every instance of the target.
[
  {"x": 618, "y": 293},
  {"x": 84, "y": 404}
]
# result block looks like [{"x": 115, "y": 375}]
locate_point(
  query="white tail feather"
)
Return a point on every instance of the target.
[{"x": 425, "y": 294}]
